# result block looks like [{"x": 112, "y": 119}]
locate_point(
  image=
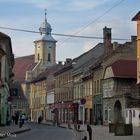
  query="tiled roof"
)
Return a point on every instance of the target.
[
  {"x": 89, "y": 58},
  {"x": 23, "y": 64},
  {"x": 44, "y": 75},
  {"x": 125, "y": 68},
  {"x": 40, "y": 77},
  {"x": 64, "y": 68}
]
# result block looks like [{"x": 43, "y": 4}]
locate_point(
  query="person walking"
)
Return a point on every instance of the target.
[
  {"x": 22, "y": 119},
  {"x": 16, "y": 117},
  {"x": 39, "y": 119}
]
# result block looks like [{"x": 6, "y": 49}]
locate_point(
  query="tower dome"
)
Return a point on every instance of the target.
[
  {"x": 45, "y": 47},
  {"x": 45, "y": 27}
]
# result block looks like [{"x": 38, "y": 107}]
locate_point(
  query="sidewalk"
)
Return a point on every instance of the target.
[
  {"x": 99, "y": 132},
  {"x": 12, "y": 130}
]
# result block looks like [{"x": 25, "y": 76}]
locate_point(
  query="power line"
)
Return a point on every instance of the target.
[
  {"x": 107, "y": 11},
  {"x": 84, "y": 27},
  {"x": 58, "y": 34},
  {"x": 20, "y": 30},
  {"x": 89, "y": 37}
]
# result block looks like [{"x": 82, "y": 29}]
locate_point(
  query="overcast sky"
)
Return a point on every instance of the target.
[{"x": 67, "y": 17}]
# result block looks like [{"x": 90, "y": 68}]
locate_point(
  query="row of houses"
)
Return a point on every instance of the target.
[
  {"x": 94, "y": 88},
  {"x": 97, "y": 87}
]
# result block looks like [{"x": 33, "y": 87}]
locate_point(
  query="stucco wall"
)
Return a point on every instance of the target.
[{"x": 132, "y": 115}]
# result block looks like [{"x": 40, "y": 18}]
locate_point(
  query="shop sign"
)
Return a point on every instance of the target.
[{"x": 82, "y": 101}]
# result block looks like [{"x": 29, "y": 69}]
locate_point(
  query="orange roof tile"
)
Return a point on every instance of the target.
[
  {"x": 23, "y": 64},
  {"x": 125, "y": 68}
]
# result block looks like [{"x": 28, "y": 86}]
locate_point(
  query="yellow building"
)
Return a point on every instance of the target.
[
  {"x": 38, "y": 97},
  {"x": 97, "y": 93},
  {"x": 87, "y": 95},
  {"x": 137, "y": 18}
]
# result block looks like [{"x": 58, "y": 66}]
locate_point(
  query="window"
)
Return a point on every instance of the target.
[
  {"x": 38, "y": 56},
  {"x": 133, "y": 113},
  {"x": 126, "y": 113},
  {"x": 94, "y": 87},
  {"x": 97, "y": 85},
  {"x": 109, "y": 114},
  {"x": 106, "y": 115},
  {"x": 49, "y": 57}
]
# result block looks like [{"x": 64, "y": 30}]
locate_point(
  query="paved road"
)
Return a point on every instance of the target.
[{"x": 43, "y": 132}]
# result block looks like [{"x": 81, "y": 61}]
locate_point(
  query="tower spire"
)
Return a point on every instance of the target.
[{"x": 45, "y": 14}]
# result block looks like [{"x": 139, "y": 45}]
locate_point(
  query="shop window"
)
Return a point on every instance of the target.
[
  {"x": 126, "y": 113},
  {"x": 106, "y": 115},
  {"x": 109, "y": 114}
]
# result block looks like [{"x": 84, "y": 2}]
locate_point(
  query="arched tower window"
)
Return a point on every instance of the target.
[
  {"x": 38, "y": 57},
  {"x": 49, "y": 57}
]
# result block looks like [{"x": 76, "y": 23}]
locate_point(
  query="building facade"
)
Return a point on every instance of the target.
[
  {"x": 87, "y": 95},
  {"x": 32, "y": 66},
  {"x": 117, "y": 89},
  {"x": 38, "y": 97},
  {"x": 6, "y": 66},
  {"x": 97, "y": 93},
  {"x": 83, "y": 83},
  {"x": 64, "y": 93},
  {"x": 137, "y": 18}
]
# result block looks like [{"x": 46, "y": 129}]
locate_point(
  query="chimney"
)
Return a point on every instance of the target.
[
  {"x": 107, "y": 40},
  {"x": 59, "y": 62},
  {"x": 115, "y": 45},
  {"x": 133, "y": 38},
  {"x": 68, "y": 60}
]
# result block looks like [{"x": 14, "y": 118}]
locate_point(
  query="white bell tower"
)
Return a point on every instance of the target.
[{"x": 45, "y": 48}]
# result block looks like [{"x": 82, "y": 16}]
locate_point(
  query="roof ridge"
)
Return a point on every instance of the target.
[{"x": 25, "y": 56}]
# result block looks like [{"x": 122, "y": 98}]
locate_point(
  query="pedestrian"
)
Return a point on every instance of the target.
[
  {"x": 39, "y": 119},
  {"x": 22, "y": 118},
  {"x": 16, "y": 117}
]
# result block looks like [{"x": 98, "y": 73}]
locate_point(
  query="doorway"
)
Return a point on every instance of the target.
[{"x": 117, "y": 112}]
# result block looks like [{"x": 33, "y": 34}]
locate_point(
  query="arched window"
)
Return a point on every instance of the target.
[
  {"x": 49, "y": 57},
  {"x": 38, "y": 56}
]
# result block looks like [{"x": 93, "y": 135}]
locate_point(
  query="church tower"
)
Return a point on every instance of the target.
[{"x": 45, "y": 48}]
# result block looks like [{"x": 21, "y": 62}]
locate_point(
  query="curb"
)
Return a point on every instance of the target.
[
  {"x": 12, "y": 133},
  {"x": 54, "y": 125},
  {"x": 21, "y": 131},
  {"x": 46, "y": 124},
  {"x": 62, "y": 126}
]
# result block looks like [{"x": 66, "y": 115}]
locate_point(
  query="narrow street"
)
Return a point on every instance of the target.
[{"x": 43, "y": 132}]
